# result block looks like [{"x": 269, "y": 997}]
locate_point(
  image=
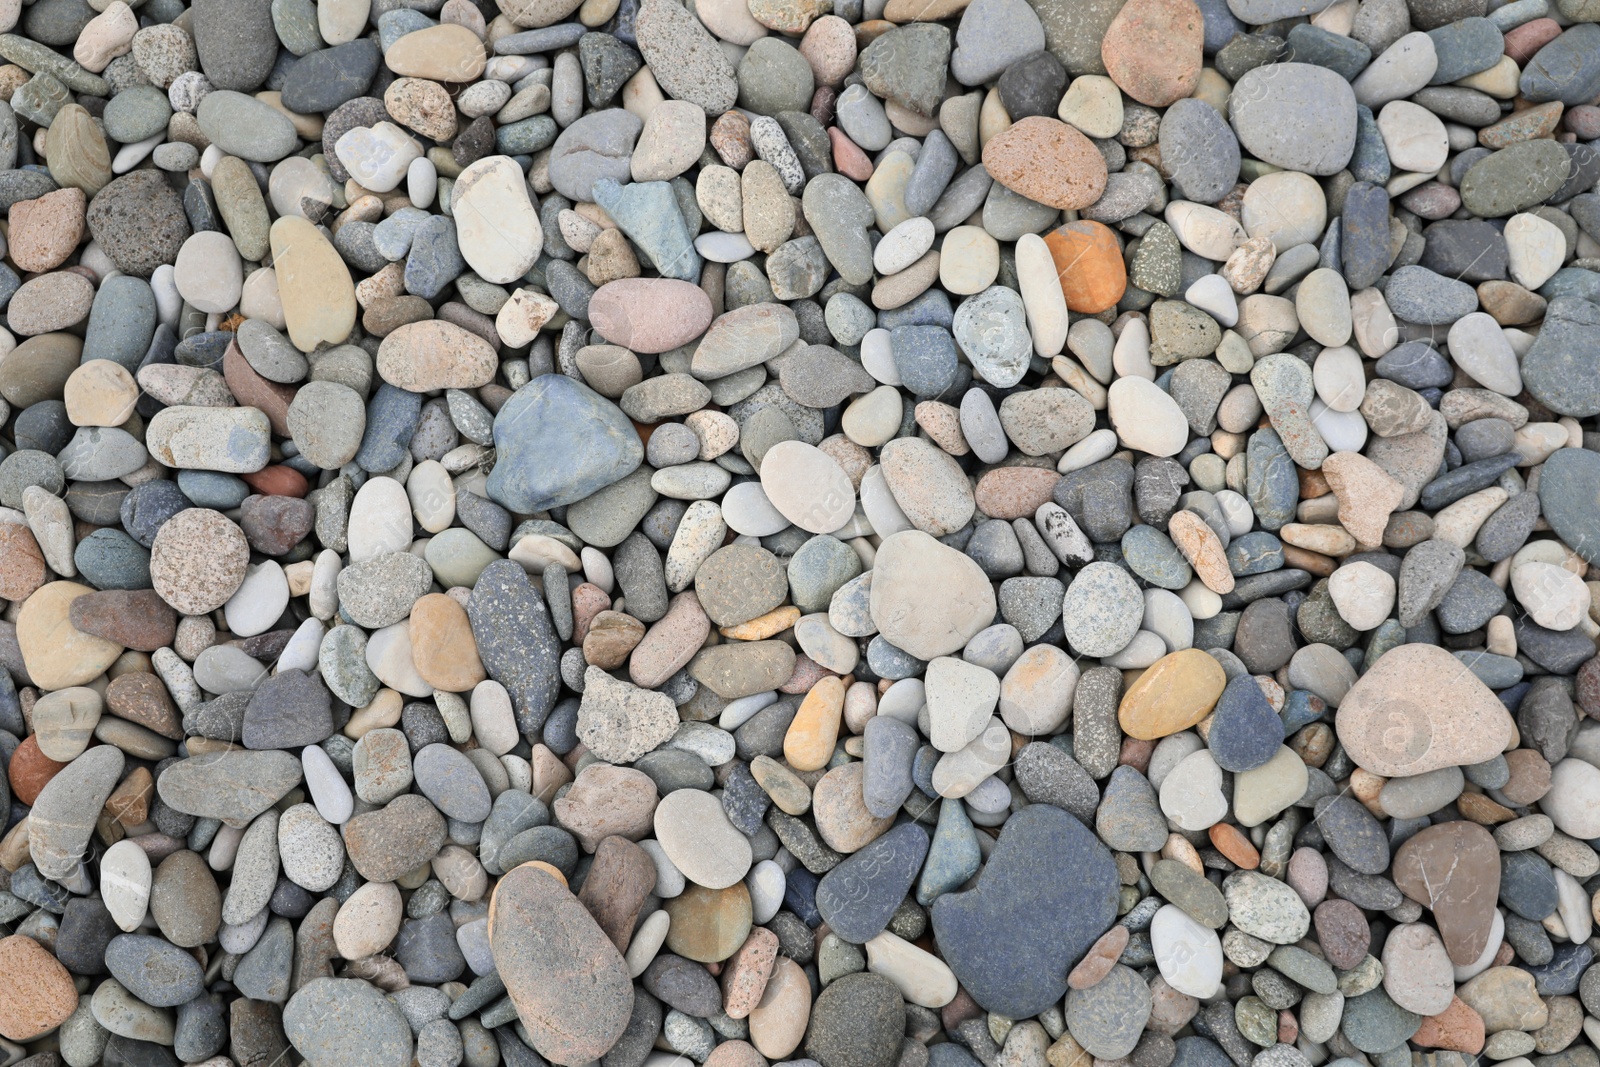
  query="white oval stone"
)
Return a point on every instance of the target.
[
  {"x": 1211, "y": 294},
  {"x": 694, "y": 832},
  {"x": 329, "y": 791},
  {"x": 969, "y": 260},
  {"x": 125, "y": 884},
  {"x": 1189, "y": 955},
  {"x": 1363, "y": 593},
  {"x": 903, "y": 245},
  {"x": 1042, "y": 296},
  {"x": 259, "y": 601},
  {"x": 496, "y": 225},
  {"x": 380, "y": 519},
  {"x": 921, "y": 977},
  {"x": 807, "y": 486},
  {"x": 1535, "y": 248},
  {"x": 1479, "y": 346},
  {"x": 378, "y": 157},
  {"x": 746, "y": 510},
  {"x": 766, "y": 882},
  {"x": 1555, "y": 597},
  {"x": 208, "y": 272},
  {"x": 1413, "y": 136},
  {"x": 1339, "y": 379},
  {"x": 1146, "y": 418},
  {"x": 389, "y": 657},
  {"x": 1191, "y": 795}
]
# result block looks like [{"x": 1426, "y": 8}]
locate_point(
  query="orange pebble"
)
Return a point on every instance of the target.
[
  {"x": 1457, "y": 1028},
  {"x": 277, "y": 481},
  {"x": 1234, "y": 845}
]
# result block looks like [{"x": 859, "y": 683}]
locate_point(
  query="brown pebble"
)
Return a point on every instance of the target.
[
  {"x": 620, "y": 881},
  {"x": 134, "y": 618},
  {"x": 1343, "y": 933},
  {"x": 1101, "y": 957}
]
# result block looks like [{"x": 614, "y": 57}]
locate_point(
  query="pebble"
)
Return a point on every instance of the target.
[{"x": 415, "y": 434}]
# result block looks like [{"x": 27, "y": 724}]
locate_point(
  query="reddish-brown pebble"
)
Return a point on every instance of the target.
[
  {"x": 1153, "y": 50},
  {"x": 1457, "y": 1028},
  {"x": 31, "y": 770},
  {"x": 22, "y": 568},
  {"x": 129, "y": 804},
  {"x": 134, "y": 618},
  {"x": 1522, "y": 42},
  {"x": 1234, "y": 845},
  {"x": 1343, "y": 933},
  {"x": 252, "y": 390},
  {"x": 142, "y": 698},
  {"x": 1453, "y": 868},
  {"x": 277, "y": 481},
  {"x": 848, "y": 159},
  {"x": 621, "y": 879},
  {"x": 1046, "y": 160}
]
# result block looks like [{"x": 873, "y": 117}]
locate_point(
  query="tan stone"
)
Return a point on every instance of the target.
[
  {"x": 779, "y": 1022},
  {"x": 55, "y": 652},
  {"x": 709, "y": 925},
  {"x": 100, "y": 393},
  {"x": 1417, "y": 710},
  {"x": 319, "y": 299},
  {"x": 421, "y": 357},
  {"x": 1203, "y": 549},
  {"x": 1367, "y": 494},
  {"x": 443, "y": 53},
  {"x": 568, "y": 981}
]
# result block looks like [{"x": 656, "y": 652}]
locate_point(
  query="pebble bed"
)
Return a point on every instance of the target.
[{"x": 832, "y": 533}]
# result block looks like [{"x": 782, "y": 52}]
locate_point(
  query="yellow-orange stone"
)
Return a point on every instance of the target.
[
  {"x": 1176, "y": 692},
  {"x": 1046, "y": 160},
  {"x": 1089, "y": 264},
  {"x": 808, "y": 745},
  {"x": 763, "y": 626},
  {"x": 442, "y": 646},
  {"x": 36, "y": 992}
]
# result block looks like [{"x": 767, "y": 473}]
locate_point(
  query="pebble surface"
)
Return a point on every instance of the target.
[{"x": 831, "y": 533}]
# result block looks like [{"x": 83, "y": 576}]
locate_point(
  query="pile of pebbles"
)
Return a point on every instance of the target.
[{"x": 842, "y": 533}]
